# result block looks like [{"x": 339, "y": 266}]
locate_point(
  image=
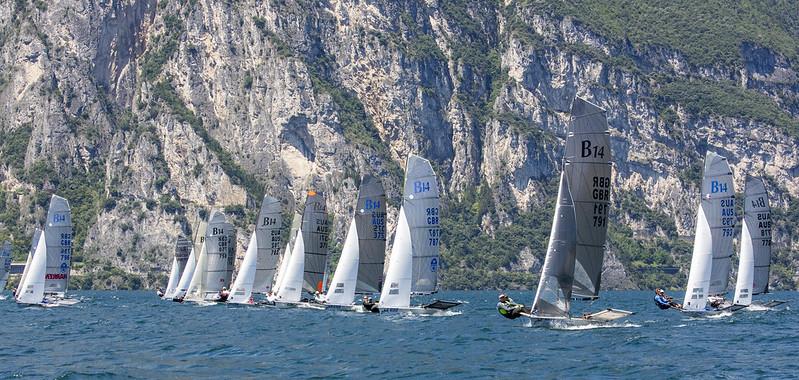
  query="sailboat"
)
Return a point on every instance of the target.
[
  {"x": 215, "y": 263},
  {"x": 573, "y": 263},
  {"x": 360, "y": 267},
  {"x": 198, "y": 245},
  {"x": 182, "y": 252},
  {"x": 46, "y": 275},
  {"x": 260, "y": 261},
  {"x": 414, "y": 262},
  {"x": 715, "y": 224},
  {"x": 5, "y": 264},
  {"x": 754, "y": 260},
  {"x": 306, "y": 265}
]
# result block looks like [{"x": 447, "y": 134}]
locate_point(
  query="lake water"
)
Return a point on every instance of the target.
[{"x": 136, "y": 335}]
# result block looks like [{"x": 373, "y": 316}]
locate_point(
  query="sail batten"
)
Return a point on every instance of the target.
[{"x": 587, "y": 167}]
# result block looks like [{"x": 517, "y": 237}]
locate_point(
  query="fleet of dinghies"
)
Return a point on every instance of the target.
[
  {"x": 295, "y": 272},
  {"x": 715, "y": 230}
]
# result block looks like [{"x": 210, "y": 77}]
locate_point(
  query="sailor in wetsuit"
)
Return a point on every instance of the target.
[
  {"x": 665, "y": 302},
  {"x": 509, "y": 309},
  {"x": 159, "y": 292}
]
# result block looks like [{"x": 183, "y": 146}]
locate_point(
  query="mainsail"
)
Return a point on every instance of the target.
[
  {"x": 421, "y": 206},
  {"x": 370, "y": 223},
  {"x": 58, "y": 235},
  {"x": 296, "y": 222},
  {"x": 713, "y": 238},
  {"x": 242, "y": 288},
  {"x": 5, "y": 264},
  {"x": 220, "y": 249},
  {"x": 588, "y": 168},
  {"x": 269, "y": 233},
  {"x": 557, "y": 275},
  {"x": 182, "y": 252},
  {"x": 314, "y": 237},
  {"x": 719, "y": 205},
  {"x": 755, "y": 244},
  {"x": 31, "y": 291}
]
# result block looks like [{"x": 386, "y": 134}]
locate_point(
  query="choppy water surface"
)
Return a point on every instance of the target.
[{"x": 135, "y": 335}]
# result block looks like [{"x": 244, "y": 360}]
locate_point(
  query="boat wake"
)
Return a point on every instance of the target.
[
  {"x": 756, "y": 307},
  {"x": 561, "y": 325}
]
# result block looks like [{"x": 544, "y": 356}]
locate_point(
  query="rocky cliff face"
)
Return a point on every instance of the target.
[{"x": 143, "y": 113}]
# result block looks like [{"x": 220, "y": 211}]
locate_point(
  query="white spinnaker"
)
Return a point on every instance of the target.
[
  {"x": 557, "y": 274},
  {"x": 342, "y": 288},
  {"x": 174, "y": 277},
  {"x": 242, "y": 289},
  {"x": 397, "y": 287},
  {"x": 32, "y": 290},
  {"x": 696, "y": 292},
  {"x": 5, "y": 264},
  {"x": 58, "y": 230},
  {"x": 718, "y": 201},
  {"x": 291, "y": 288},
  {"x": 37, "y": 234},
  {"x": 269, "y": 233}
]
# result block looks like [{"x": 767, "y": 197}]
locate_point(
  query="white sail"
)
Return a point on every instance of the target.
[
  {"x": 269, "y": 233},
  {"x": 696, "y": 292},
  {"x": 284, "y": 263},
  {"x": 174, "y": 277},
  {"x": 32, "y": 290},
  {"x": 719, "y": 205},
  {"x": 186, "y": 277},
  {"x": 5, "y": 264},
  {"x": 58, "y": 231},
  {"x": 755, "y": 236},
  {"x": 198, "y": 245},
  {"x": 557, "y": 275},
  {"x": 182, "y": 251},
  {"x": 342, "y": 288},
  {"x": 397, "y": 287},
  {"x": 196, "y": 288},
  {"x": 37, "y": 234},
  {"x": 242, "y": 289},
  {"x": 291, "y": 288}
]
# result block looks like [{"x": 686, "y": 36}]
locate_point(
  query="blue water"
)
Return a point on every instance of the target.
[{"x": 135, "y": 335}]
